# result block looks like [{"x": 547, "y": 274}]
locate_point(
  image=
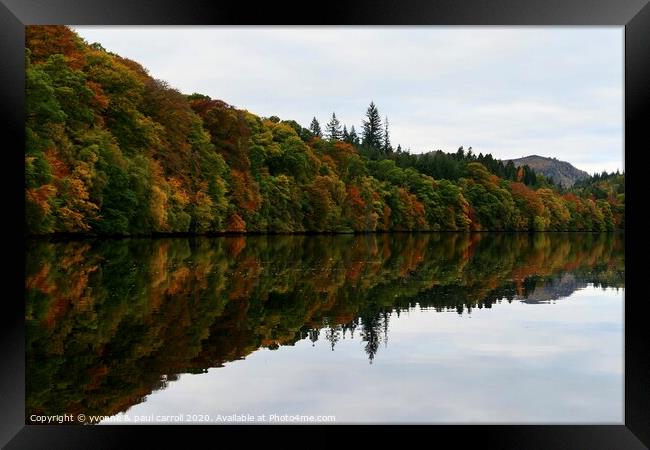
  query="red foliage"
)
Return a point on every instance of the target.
[
  {"x": 571, "y": 197},
  {"x": 100, "y": 100},
  {"x": 46, "y": 40},
  {"x": 354, "y": 197},
  {"x": 59, "y": 168},
  {"x": 235, "y": 223}
]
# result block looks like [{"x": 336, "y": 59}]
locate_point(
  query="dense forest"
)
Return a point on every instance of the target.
[
  {"x": 105, "y": 319},
  {"x": 111, "y": 150}
]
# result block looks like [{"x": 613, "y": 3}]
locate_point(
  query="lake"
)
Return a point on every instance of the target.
[{"x": 377, "y": 328}]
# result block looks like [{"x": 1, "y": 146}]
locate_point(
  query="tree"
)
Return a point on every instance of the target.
[
  {"x": 314, "y": 127},
  {"x": 388, "y": 148},
  {"x": 354, "y": 138},
  {"x": 346, "y": 136},
  {"x": 372, "y": 132},
  {"x": 334, "y": 129}
]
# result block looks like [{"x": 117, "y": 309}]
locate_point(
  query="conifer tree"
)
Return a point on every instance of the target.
[
  {"x": 372, "y": 132},
  {"x": 334, "y": 129},
  {"x": 387, "y": 147},
  {"x": 314, "y": 127},
  {"x": 354, "y": 138},
  {"x": 346, "y": 136}
]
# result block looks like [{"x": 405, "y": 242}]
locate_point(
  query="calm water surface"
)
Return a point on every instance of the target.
[{"x": 433, "y": 328}]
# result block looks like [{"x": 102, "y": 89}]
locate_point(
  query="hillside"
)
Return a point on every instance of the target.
[
  {"x": 112, "y": 151},
  {"x": 562, "y": 172}
]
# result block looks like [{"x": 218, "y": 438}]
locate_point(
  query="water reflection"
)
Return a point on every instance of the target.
[{"x": 110, "y": 321}]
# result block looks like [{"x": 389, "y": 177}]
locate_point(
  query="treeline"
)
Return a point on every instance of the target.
[
  {"x": 105, "y": 319},
  {"x": 111, "y": 150},
  {"x": 374, "y": 144},
  {"x": 602, "y": 186}
]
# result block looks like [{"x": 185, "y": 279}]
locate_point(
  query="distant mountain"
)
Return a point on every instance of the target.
[
  {"x": 562, "y": 172},
  {"x": 555, "y": 289}
]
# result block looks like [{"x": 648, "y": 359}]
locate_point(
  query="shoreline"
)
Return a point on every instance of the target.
[{"x": 83, "y": 236}]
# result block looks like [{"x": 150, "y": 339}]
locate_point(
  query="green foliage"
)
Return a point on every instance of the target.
[{"x": 111, "y": 150}]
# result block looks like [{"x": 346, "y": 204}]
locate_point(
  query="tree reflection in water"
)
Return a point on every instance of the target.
[{"x": 110, "y": 321}]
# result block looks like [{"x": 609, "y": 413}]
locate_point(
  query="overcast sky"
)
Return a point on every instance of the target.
[{"x": 509, "y": 91}]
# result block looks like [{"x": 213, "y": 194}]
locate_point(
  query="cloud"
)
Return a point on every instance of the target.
[{"x": 509, "y": 91}]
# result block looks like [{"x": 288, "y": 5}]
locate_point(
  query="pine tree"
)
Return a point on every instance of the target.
[
  {"x": 346, "y": 136},
  {"x": 334, "y": 129},
  {"x": 372, "y": 133},
  {"x": 387, "y": 147},
  {"x": 314, "y": 127},
  {"x": 354, "y": 138}
]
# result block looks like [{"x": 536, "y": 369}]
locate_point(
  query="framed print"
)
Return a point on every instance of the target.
[{"x": 381, "y": 213}]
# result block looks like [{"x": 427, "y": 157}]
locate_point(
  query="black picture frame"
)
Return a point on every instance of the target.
[{"x": 634, "y": 15}]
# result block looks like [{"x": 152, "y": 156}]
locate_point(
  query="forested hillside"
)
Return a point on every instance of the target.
[{"x": 111, "y": 150}]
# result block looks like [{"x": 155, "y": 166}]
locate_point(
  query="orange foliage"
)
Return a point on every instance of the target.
[
  {"x": 41, "y": 280},
  {"x": 531, "y": 198},
  {"x": 100, "y": 100},
  {"x": 235, "y": 246},
  {"x": 245, "y": 279},
  {"x": 344, "y": 150},
  {"x": 354, "y": 197},
  {"x": 235, "y": 223},
  {"x": 414, "y": 210},
  {"x": 354, "y": 270},
  {"x": 59, "y": 168},
  {"x": 330, "y": 163},
  {"x": 571, "y": 197},
  {"x": 245, "y": 191},
  {"x": 178, "y": 281},
  {"x": 46, "y": 40},
  {"x": 474, "y": 224},
  {"x": 41, "y": 196}
]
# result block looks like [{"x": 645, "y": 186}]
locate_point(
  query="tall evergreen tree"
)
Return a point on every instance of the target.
[
  {"x": 354, "y": 138},
  {"x": 346, "y": 135},
  {"x": 334, "y": 129},
  {"x": 372, "y": 132},
  {"x": 387, "y": 147},
  {"x": 510, "y": 171},
  {"x": 314, "y": 127}
]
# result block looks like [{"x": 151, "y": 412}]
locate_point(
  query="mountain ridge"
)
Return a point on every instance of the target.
[{"x": 562, "y": 172}]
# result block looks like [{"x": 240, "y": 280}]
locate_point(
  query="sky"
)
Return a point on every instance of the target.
[{"x": 509, "y": 91}]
